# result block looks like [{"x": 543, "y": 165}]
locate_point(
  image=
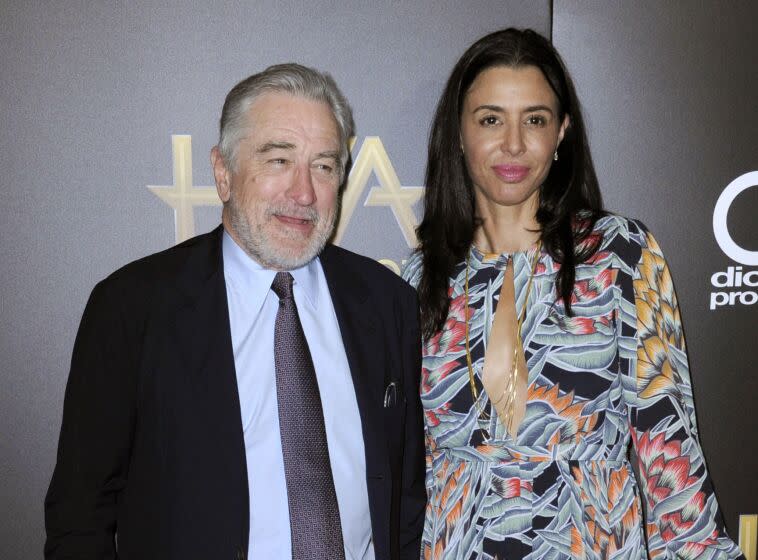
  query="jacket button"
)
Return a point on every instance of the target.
[{"x": 240, "y": 554}]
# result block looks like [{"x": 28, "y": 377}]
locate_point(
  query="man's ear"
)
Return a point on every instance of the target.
[{"x": 221, "y": 174}]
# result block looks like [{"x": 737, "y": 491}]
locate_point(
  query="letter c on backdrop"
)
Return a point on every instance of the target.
[{"x": 720, "y": 231}]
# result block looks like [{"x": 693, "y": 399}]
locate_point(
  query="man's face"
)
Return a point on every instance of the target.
[{"x": 280, "y": 200}]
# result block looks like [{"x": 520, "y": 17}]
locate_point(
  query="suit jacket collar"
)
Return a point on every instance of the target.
[{"x": 203, "y": 264}]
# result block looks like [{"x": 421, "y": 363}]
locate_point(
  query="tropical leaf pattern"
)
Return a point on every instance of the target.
[{"x": 611, "y": 377}]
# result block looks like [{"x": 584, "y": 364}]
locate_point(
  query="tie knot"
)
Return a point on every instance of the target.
[{"x": 282, "y": 285}]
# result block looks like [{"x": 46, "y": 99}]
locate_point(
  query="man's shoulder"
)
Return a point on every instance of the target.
[
  {"x": 374, "y": 274},
  {"x": 169, "y": 264}
]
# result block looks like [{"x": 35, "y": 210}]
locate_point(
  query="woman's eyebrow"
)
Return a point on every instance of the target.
[{"x": 499, "y": 109}]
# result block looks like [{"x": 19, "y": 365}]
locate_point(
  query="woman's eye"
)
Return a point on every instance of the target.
[
  {"x": 489, "y": 120},
  {"x": 536, "y": 120}
]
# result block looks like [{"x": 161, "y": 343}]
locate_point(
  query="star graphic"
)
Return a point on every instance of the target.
[
  {"x": 372, "y": 157},
  {"x": 182, "y": 196}
]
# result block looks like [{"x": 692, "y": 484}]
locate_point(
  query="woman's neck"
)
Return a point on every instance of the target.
[{"x": 507, "y": 229}]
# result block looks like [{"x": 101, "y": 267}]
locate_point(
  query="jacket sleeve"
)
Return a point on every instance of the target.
[
  {"x": 95, "y": 437},
  {"x": 682, "y": 514},
  {"x": 413, "y": 500}
]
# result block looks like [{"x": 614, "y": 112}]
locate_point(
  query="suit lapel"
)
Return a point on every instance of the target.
[
  {"x": 363, "y": 342},
  {"x": 363, "y": 345},
  {"x": 202, "y": 314},
  {"x": 207, "y": 377}
]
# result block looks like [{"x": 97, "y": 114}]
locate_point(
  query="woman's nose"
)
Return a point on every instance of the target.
[{"x": 513, "y": 140}]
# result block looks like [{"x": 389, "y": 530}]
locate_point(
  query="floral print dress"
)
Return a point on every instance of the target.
[{"x": 612, "y": 378}]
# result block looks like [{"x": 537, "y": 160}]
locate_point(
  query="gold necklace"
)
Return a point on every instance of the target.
[{"x": 510, "y": 387}]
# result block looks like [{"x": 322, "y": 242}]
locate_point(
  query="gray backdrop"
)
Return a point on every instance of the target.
[{"x": 92, "y": 92}]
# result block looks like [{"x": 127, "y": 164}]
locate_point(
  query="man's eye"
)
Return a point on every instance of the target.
[
  {"x": 324, "y": 167},
  {"x": 278, "y": 161}
]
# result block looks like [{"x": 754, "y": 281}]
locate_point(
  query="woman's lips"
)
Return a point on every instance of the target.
[{"x": 511, "y": 173}]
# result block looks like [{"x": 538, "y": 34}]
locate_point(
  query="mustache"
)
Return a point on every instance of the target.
[{"x": 299, "y": 212}]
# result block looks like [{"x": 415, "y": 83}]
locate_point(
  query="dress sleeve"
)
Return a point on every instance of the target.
[{"x": 683, "y": 519}]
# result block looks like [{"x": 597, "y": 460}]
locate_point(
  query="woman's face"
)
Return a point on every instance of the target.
[{"x": 510, "y": 129}]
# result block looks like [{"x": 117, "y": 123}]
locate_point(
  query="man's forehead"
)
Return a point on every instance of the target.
[
  {"x": 265, "y": 140},
  {"x": 288, "y": 111}
]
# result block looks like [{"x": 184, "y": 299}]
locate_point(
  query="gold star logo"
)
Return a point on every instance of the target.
[
  {"x": 182, "y": 196},
  {"x": 372, "y": 157}
]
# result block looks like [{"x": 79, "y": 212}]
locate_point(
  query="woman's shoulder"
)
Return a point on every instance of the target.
[
  {"x": 626, "y": 237},
  {"x": 611, "y": 225},
  {"x": 413, "y": 268}
]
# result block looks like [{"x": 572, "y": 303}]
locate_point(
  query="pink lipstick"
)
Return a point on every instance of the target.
[{"x": 511, "y": 173}]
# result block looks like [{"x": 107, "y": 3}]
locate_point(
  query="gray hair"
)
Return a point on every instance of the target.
[{"x": 289, "y": 78}]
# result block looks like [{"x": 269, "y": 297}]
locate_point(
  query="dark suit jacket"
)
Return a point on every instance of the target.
[{"x": 151, "y": 447}]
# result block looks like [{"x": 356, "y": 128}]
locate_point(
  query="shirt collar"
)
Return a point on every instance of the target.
[{"x": 249, "y": 277}]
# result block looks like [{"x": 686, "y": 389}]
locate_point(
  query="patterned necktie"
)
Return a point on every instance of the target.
[{"x": 315, "y": 526}]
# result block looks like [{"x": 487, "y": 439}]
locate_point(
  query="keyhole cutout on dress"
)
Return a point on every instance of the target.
[{"x": 498, "y": 357}]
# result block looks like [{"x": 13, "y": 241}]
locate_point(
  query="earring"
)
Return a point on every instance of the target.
[{"x": 555, "y": 155}]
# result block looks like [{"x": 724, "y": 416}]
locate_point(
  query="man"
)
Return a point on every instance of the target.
[{"x": 252, "y": 392}]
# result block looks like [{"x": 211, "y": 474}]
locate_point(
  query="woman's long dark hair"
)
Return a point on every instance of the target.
[{"x": 570, "y": 201}]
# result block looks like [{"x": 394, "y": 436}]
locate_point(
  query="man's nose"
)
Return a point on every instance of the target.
[{"x": 301, "y": 190}]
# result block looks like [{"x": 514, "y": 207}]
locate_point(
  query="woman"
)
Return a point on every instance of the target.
[{"x": 552, "y": 338}]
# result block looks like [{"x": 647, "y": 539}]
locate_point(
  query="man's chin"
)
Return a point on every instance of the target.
[
  {"x": 279, "y": 248},
  {"x": 288, "y": 255}
]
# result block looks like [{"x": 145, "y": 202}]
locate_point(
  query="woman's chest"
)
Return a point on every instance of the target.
[{"x": 573, "y": 361}]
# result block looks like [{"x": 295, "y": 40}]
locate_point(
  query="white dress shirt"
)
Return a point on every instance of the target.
[{"x": 252, "y": 314}]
